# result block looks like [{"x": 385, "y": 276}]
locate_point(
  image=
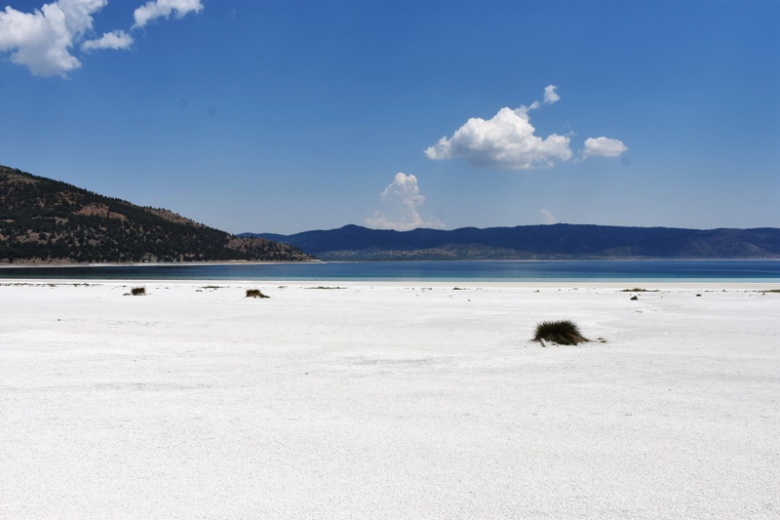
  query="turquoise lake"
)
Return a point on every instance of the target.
[{"x": 499, "y": 271}]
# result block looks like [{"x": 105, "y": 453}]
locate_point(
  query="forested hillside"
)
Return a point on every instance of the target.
[{"x": 48, "y": 221}]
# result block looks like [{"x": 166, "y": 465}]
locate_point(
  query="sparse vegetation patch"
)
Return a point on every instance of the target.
[
  {"x": 255, "y": 293},
  {"x": 138, "y": 291},
  {"x": 563, "y": 332}
]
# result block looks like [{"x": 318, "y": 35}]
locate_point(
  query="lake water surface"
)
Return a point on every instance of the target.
[{"x": 499, "y": 271}]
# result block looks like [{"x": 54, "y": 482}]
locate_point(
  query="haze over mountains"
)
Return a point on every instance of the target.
[{"x": 549, "y": 242}]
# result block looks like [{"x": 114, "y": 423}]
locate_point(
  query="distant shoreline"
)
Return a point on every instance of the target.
[
  {"x": 16, "y": 265},
  {"x": 627, "y": 287},
  {"x": 399, "y": 261}
]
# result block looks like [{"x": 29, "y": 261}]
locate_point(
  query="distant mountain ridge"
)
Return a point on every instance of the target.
[
  {"x": 558, "y": 241},
  {"x": 50, "y": 222}
]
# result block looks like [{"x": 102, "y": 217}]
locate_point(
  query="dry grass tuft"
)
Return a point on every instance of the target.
[
  {"x": 255, "y": 293},
  {"x": 138, "y": 291},
  {"x": 564, "y": 332}
]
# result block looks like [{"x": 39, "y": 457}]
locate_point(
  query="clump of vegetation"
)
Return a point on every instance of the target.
[
  {"x": 324, "y": 288},
  {"x": 639, "y": 289},
  {"x": 138, "y": 291},
  {"x": 564, "y": 332},
  {"x": 635, "y": 297},
  {"x": 255, "y": 293}
]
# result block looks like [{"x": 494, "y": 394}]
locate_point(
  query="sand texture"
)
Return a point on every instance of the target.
[{"x": 387, "y": 401}]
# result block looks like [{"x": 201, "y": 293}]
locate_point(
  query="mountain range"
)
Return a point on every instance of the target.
[
  {"x": 52, "y": 222},
  {"x": 48, "y": 221},
  {"x": 543, "y": 242}
]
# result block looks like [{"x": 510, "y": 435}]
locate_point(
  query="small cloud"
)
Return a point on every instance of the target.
[
  {"x": 506, "y": 141},
  {"x": 604, "y": 147},
  {"x": 547, "y": 217},
  {"x": 111, "y": 40},
  {"x": 163, "y": 9},
  {"x": 41, "y": 40},
  {"x": 401, "y": 201},
  {"x": 550, "y": 96}
]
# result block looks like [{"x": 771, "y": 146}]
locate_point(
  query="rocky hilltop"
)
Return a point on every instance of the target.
[{"x": 51, "y": 222}]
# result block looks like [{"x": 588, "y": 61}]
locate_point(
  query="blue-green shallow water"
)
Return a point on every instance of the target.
[{"x": 584, "y": 271}]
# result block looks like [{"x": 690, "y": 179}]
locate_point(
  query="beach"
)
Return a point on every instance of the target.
[{"x": 391, "y": 400}]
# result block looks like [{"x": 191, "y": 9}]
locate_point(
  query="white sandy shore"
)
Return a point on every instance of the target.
[{"x": 387, "y": 400}]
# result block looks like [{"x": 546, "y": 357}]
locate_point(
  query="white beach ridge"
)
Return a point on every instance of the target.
[{"x": 387, "y": 400}]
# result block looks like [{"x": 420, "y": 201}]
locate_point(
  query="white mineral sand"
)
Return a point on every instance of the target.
[{"x": 387, "y": 401}]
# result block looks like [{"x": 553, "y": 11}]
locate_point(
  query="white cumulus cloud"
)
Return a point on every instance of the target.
[
  {"x": 111, "y": 40},
  {"x": 163, "y": 9},
  {"x": 550, "y": 96},
  {"x": 603, "y": 146},
  {"x": 506, "y": 141},
  {"x": 42, "y": 40},
  {"x": 401, "y": 201}
]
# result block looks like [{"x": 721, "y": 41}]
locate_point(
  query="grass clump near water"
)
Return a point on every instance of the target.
[
  {"x": 255, "y": 293},
  {"x": 563, "y": 332},
  {"x": 138, "y": 291},
  {"x": 639, "y": 289}
]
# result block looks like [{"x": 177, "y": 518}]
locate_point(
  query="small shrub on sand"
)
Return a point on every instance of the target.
[
  {"x": 563, "y": 332},
  {"x": 255, "y": 293},
  {"x": 138, "y": 291}
]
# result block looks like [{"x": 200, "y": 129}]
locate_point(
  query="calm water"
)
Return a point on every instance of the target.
[{"x": 615, "y": 271}]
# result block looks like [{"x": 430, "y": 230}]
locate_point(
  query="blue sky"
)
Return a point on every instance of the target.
[{"x": 290, "y": 115}]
